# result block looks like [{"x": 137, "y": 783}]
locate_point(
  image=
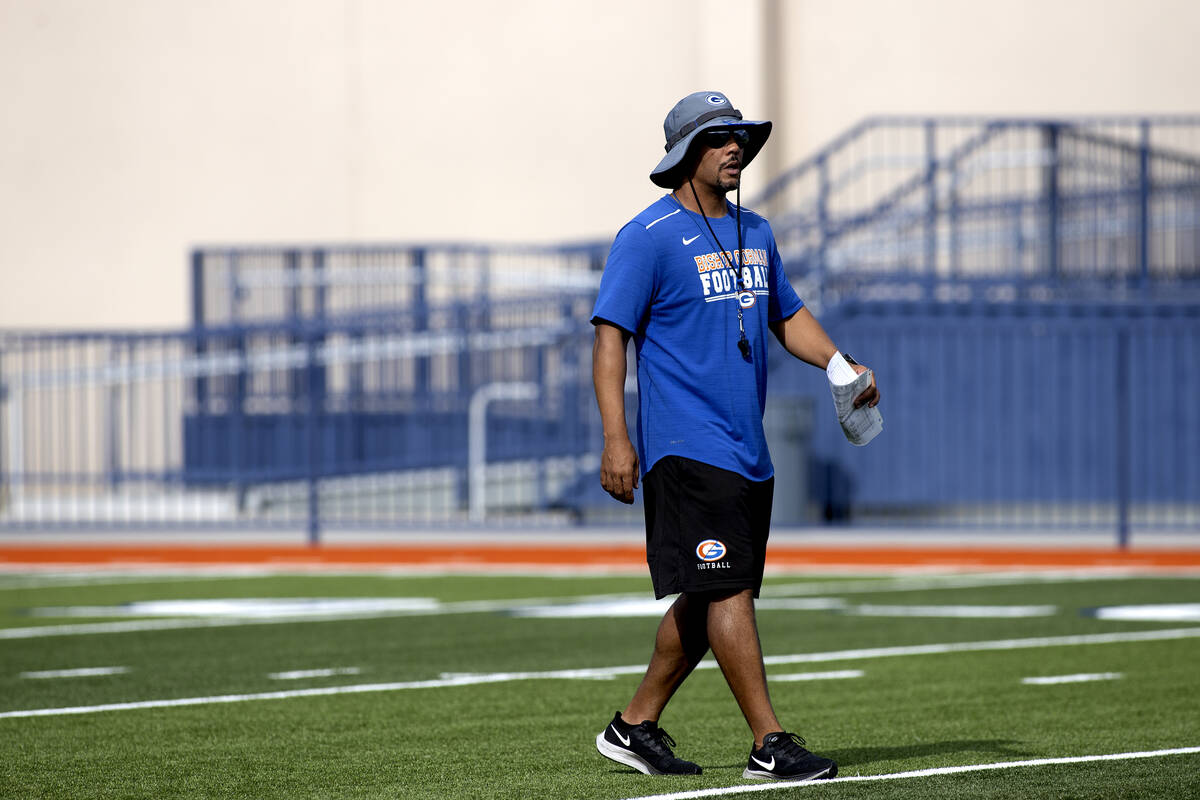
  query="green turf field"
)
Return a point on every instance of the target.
[{"x": 447, "y": 695}]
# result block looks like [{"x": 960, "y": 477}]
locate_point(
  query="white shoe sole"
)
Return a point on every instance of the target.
[{"x": 621, "y": 756}]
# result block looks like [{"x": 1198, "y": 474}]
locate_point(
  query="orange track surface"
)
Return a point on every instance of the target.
[{"x": 617, "y": 555}]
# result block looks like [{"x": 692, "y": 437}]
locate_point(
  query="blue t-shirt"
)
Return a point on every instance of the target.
[{"x": 668, "y": 285}]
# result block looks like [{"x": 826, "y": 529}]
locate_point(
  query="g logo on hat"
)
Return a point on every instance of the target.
[{"x": 694, "y": 114}]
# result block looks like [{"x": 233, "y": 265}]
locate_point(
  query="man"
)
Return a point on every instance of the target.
[{"x": 699, "y": 312}]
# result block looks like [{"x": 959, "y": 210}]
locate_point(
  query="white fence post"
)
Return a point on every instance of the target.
[{"x": 477, "y": 438}]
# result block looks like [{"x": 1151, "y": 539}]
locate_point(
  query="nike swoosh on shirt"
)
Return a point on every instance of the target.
[
  {"x": 689, "y": 241},
  {"x": 625, "y": 740},
  {"x": 763, "y": 764}
]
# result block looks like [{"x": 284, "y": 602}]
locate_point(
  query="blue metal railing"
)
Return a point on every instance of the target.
[
  {"x": 502, "y": 285},
  {"x": 987, "y": 268},
  {"x": 294, "y": 426},
  {"x": 1029, "y": 416},
  {"x": 896, "y": 208},
  {"x": 997, "y": 415},
  {"x": 1044, "y": 208}
]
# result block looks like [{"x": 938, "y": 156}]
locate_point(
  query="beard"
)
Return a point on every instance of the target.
[{"x": 726, "y": 182}]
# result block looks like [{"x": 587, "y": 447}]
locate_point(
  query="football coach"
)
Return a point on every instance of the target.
[{"x": 697, "y": 283}]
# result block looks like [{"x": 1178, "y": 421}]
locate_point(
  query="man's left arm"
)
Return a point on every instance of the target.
[{"x": 803, "y": 337}]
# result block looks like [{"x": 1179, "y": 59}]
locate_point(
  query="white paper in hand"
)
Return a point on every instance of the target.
[{"x": 860, "y": 425}]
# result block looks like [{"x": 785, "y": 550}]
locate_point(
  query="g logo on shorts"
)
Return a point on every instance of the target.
[{"x": 710, "y": 550}]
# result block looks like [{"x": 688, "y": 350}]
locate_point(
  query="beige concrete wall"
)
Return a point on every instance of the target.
[
  {"x": 848, "y": 60},
  {"x": 133, "y": 129}
]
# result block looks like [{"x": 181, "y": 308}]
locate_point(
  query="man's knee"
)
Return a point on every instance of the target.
[{"x": 720, "y": 596}]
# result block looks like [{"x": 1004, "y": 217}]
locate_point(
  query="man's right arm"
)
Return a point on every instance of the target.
[{"x": 619, "y": 461}]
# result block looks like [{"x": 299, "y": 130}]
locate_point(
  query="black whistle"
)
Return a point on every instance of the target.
[{"x": 744, "y": 346}]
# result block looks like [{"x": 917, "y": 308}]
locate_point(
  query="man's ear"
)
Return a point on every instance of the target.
[{"x": 687, "y": 166}]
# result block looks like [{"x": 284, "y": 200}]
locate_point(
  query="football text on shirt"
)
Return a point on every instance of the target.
[{"x": 717, "y": 278}]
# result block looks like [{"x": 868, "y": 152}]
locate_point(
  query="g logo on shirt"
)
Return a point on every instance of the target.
[{"x": 710, "y": 550}]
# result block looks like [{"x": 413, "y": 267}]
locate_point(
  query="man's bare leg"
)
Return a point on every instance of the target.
[
  {"x": 681, "y": 642},
  {"x": 733, "y": 636}
]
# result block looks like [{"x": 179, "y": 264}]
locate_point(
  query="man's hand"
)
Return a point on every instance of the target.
[
  {"x": 619, "y": 469},
  {"x": 870, "y": 396}
]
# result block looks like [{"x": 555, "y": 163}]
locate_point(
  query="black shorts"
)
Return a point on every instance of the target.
[{"x": 706, "y": 527}]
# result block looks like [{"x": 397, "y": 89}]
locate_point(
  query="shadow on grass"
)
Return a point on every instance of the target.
[
  {"x": 858, "y": 756},
  {"x": 1008, "y": 748}
]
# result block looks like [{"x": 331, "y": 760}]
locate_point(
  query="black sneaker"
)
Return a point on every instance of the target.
[
  {"x": 783, "y": 758},
  {"x": 645, "y": 747}
]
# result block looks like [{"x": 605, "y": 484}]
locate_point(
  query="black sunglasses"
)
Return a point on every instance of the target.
[{"x": 716, "y": 138}]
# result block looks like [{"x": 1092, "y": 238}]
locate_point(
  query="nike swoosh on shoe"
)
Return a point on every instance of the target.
[
  {"x": 625, "y": 739},
  {"x": 763, "y": 764}
]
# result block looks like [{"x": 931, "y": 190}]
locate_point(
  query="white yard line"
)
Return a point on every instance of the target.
[
  {"x": 242, "y": 698},
  {"x": 600, "y": 673},
  {"x": 300, "y": 674},
  {"x": 954, "y": 580},
  {"x": 606, "y": 606},
  {"x": 916, "y": 773},
  {"x": 81, "y": 672},
  {"x": 170, "y": 624},
  {"x": 138, "y": 625},
  {"x": 1153, "y": 612},
  {"x": 1051, "y": 680},
  {"x": 819, "y": 676},
  {"x": 793, "y": 596},
  {"x": 997, "y": 644},
  {"x": 952, "y": 612}
]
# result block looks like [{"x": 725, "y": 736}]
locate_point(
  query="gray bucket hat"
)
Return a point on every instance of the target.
[{"x": 696, "y": 113}]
